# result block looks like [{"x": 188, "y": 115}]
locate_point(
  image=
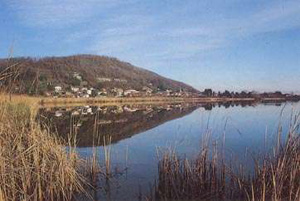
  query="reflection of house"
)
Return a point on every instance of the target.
[
  {"x": 117, "y": 110},
  {"x": 121, "y": 126},
  {"x": 75, "y": 113},
  {"x": 103, "y": 122},
  {"x": 128, "y": 109},
  {"x": 89, "y": 110},
  {"x": 121, "y": 121},
  {"x": 58, "y": 113}
]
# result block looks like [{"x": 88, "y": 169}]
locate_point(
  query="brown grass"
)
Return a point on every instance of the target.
[
  {"x": 31, "y": 101},
  {"x": 276, "y": 175},
  {"x": 33, "y": 164}
]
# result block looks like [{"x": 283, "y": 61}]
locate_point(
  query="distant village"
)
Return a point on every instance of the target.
[{"x": 81, "y": 89}]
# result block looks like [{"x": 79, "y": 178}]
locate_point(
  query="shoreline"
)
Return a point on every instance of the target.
[
  {"x": 149, "y": 100},
  {"x": 40, "y": 101}
]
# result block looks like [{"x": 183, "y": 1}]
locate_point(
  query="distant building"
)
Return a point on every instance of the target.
[
  {"x": 118, "y": 91},
  {"x": 89, "y": 92},
  {"x": 77, "y": 76},
  {"x": 74, "y": 89},
  {"x": 120, "y": 80},
  {"x": 58, "y": 89},
  {"x": 102, "y": 92},
  {"x": 103, "y": 79},
  {"x": 130, "y": 92},
  {"x": 84, "y": 83},
  {"x": 148, "y": 90},
  {"x": 69, "y": 94},
  {"x": 168, "y": 92}
]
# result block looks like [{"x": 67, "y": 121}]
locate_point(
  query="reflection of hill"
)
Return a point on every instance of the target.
[{"x": 119, "y": 123}]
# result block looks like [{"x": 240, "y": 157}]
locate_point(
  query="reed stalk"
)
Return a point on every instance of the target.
[
  {"x": 34, "y": 165},
  {"x": 208, "y": 177}
]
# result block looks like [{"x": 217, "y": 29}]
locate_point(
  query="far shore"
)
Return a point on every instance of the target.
[
  {"x": 46, "y": 102},
  {"x": 41, "y": 101}
]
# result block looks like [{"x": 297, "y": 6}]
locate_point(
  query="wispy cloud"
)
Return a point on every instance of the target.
[
  {"x": 113, "y": 26},
  {"x": 54, "y": 13},
  {"x": 183, "y": 41}
]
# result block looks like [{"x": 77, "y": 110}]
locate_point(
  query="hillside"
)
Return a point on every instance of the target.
[{"x": 39, "y": 75}]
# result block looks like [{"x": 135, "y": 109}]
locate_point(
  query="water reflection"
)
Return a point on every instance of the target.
[
  {"x": 138, "y": 131},
  {"x": 91, "y": 123}
]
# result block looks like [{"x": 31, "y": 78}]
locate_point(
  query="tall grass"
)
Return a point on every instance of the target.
[
  {"x": 276, "y": 175},
  {"x": 33, "y": 164}
]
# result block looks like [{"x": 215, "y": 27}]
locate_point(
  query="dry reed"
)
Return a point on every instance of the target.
[
  {"x": 276, "y": 175},
  {"x": 33, "y": 164}
]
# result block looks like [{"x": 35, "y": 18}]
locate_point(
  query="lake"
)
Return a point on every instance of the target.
[{"x": 139, "y": 134}]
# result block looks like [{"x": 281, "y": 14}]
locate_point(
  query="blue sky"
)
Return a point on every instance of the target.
[{"x": 219, "y": 44}]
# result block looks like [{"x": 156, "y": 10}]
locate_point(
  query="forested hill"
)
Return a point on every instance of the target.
[{"x": 40, "y": 75}]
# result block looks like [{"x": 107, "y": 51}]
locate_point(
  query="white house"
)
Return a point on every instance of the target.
[
  {"x": 75, "y": 89},
  {"x": 58, "y": 88},
  {"x": 118, "y": 91},
  {"x": 147, "y": 90},
  {"x": 89, "y": 92},
  {"x": 77, "y": 76},
  {"x": 120, "y": 80},
  {"x": 103, "y": 79},
  {"x": 130, "y": 92}
]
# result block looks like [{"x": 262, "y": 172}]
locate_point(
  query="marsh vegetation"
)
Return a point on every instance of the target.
[
  {"x": 274, "y": 176},
  {"x": 33, "y": 164},
  {"x": 38, "y": 164}
]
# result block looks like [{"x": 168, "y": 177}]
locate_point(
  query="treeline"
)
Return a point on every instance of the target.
[{"x": 252, "y": 94}]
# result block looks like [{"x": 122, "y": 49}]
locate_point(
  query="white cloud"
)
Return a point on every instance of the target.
[{"x": 136, "y": 34}]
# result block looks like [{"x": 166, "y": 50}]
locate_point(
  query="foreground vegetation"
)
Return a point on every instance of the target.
[
  {"x": 33, "y": 164},
  {"x": 276, "y": 175}
]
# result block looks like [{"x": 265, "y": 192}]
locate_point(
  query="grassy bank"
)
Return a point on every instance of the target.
[
  {"x": 49, "y": 101},
  {"x": 33, "y": 164},
  {"x": 275, "y": 176},
  {"x": 136, "y": 100}
]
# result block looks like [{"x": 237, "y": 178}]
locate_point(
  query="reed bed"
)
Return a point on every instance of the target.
[
  {"x": 33, "y": 164},
  {"x": 276, "y": 174}
]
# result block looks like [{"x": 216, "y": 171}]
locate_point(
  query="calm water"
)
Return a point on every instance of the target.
[{"x": 140, "y": 133}]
